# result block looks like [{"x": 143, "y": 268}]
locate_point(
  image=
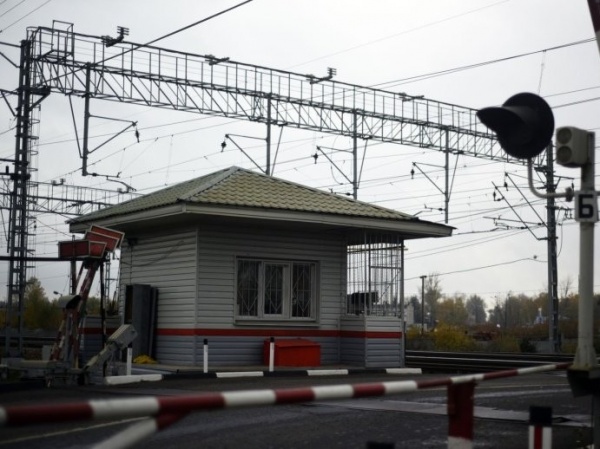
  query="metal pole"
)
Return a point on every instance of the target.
[
  {"x": 268, "y": 167},
  {"x": 423, "y": 304},
  {"x": 447, "y": 187},
  {"x": 553, "y": 340},
  {"x": 86, "y": 121},
  {"x": 355, "y": 158},
  {"x": 17, "y": 240},
  {"x": 401, "y": 312},
  {"x": 585, "y": 357}
]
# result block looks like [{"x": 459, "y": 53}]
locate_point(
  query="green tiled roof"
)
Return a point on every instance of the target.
[{"x": 238, "y": 187}]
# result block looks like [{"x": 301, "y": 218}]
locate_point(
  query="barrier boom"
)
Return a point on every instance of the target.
[{"x": 25, "y": 415}]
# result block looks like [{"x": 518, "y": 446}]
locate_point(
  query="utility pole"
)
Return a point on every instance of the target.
[
  {"x": 423, "y": 304},
  {"x": 553, "y": 338}
]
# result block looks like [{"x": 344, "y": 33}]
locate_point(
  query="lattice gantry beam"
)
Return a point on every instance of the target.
[{"x": 169, "y": 79}]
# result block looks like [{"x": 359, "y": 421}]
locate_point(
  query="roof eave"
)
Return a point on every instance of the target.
[
  {"x": 124, "y": 219},
  {"x": 412, "y": 228}
]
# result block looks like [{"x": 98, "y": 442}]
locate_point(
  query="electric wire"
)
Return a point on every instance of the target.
[
  {"x": 25, "y": 16},
  {"x": 426, "y": 76},
  {"x": 411, "y": 30},
  {"x": 10, "y": 9},
  {"x": 559, "y": 106}
]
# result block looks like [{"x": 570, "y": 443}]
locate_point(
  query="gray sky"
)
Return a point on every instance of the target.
[{"x": 369, "y": 43}]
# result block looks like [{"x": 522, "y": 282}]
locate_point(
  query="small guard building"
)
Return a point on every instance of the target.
[{"x": 237, "y": 257}]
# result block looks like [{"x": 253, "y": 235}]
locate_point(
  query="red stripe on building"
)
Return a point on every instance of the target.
[{"x": 307, "y": 333}]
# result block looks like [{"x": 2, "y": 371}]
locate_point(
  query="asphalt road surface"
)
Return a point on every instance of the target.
[{"x": 412, "y": 420}]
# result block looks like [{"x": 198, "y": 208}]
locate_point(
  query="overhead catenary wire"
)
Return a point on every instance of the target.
[
  {"x": 426, "y": 76},
  {"x": 411, "y": 30},
  {"x": 289, "y": 164},
  {"x": 10, "y": 9},
  {"x": 24, "y": 16}
]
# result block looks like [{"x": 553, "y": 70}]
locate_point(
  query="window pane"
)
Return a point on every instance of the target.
[
  {"x": 302, "y": 290},
  {"x": 273, "y": 289},
  {"x": 247, "y": 287}
]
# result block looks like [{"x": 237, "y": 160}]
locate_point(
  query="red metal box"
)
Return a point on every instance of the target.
[
  {"x": 297, "y": 352},
  {"x": 78, "y": 249},
  {"x": 72, "y": 249}
]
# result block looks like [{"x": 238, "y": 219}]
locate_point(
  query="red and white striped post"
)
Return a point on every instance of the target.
[
  {"x": 271, "y": 354},
  {"x": 129, "y": 361},
  {"x": 460, "y": 415},
  {"x": 540, "y": 427},
  {"x": 205, "y": 356}
]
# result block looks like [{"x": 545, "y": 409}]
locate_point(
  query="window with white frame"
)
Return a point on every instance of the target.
[{"x": 276, "y": 289}]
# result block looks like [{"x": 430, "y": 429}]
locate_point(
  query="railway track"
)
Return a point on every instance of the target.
[
  {"x": 435, "y": 361},
  {"x": 428, "y": 361}
]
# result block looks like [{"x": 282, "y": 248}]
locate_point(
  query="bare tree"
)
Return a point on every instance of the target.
[
  {"x": 433, "y": 293},
  {"x": 476, "y": 308}
]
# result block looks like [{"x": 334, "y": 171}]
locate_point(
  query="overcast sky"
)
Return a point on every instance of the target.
[{"x": 368, "y": 43}]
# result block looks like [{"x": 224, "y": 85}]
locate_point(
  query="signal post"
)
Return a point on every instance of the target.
[{"x": 524, "y": 125}]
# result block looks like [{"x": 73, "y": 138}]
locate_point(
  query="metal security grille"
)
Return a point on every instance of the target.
[
  {"x": 247, "y": 287},
  {"x": 375, "y": 276},
  {"x": 302, "y": 289},
  {"x": 274, "y": 289}
]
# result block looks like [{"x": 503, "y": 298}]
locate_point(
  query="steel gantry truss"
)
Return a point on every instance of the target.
[
  {"x": 59, "y": 60},
  {"x": 77, "y": 64}
]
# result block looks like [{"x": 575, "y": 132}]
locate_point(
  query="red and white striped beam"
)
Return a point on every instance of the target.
[
  {"x": 24, "y": 415},
  {"x": 139, "y": 431}
]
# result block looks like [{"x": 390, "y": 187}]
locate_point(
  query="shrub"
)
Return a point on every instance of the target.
[
  {"x": 452, "y": 338},
  {"x": 418, "y": 342},
  {"x": 525, "y": 345},
  {"x": 504, "y": 343}
]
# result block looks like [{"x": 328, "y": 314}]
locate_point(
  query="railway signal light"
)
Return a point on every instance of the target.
[
  {"x": 524, "y": 124},
  {"x": 572, "y": 148}
]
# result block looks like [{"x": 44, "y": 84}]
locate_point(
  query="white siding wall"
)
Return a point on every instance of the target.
[
  {"x": 384, "y": 352},
  {"x": 353, "y": 349},
  {"x": 219, "y": 247},
  {"x": 166, "y": 260}
]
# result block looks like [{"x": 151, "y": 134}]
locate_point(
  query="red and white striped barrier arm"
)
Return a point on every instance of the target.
[
  {"x": 22, "y": 415},
  {"x": 138, "y": 432}
]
